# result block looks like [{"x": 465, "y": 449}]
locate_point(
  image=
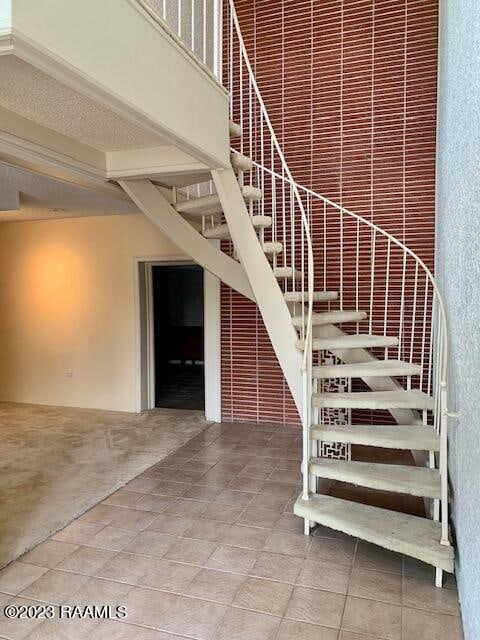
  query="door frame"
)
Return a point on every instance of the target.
[{"x": 145, "y": 338}]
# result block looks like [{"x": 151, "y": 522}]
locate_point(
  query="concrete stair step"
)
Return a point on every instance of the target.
[
  {"x": 413, "y": 536},
  {"x": 211, "y": 205},
  {"x": 416, "y": 481},
  {"x": 240, "y": 162},
  {"x": 272, "y": 248},
  {"x": 374, "y": 368},
  {"x": 222, "y": 232},
  {"x": 357, "y": 341},
  {"x": 234, "y": 129},
  {"x": 330, "y": 317},
  {"x": 251, "y": 193},
  {"x": 203, "y": 206},
  {"x": 398, "y": 436},
  {"x": 401, "y": 399},
  {"x": 318, "y": 296},
  {"x": 287, "y": 272}
]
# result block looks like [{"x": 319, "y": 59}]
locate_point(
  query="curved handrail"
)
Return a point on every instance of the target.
[{"x": 401, "y": 245}]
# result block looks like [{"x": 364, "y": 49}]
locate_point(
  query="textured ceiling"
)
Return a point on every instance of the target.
[
  {"x": 35, "y": 95},
  {"x": 44, "y": 198}
]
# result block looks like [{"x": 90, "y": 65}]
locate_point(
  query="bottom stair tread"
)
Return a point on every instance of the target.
[{"x": 413, "y": 536}]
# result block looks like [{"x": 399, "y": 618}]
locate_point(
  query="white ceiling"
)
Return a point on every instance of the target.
[
  {"x": 35, "y": 95},
  {"x": 42, "y": 198}
]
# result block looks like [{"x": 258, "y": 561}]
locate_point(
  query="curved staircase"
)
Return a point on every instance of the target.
[{"x": 251, "y": 225}]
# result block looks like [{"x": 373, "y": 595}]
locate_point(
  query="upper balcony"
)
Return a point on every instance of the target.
[{"x": 94, "y": 91}]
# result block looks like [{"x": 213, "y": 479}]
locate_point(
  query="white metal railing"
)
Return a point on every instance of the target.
[
  {"x": 370, "y": 268},
  {"x": 198, "y": 23}
]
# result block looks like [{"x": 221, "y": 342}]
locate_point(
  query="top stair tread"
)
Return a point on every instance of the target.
[
  {"x": 400, "y": 532},
  {"x": 416, "y": 481},
  {"x": 398, "y": 436}
]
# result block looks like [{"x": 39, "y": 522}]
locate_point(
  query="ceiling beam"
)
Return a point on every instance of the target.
[{"x": 26, "y": 144}]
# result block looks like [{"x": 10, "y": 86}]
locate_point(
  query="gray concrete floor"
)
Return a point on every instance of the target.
[{"x": 58, "y": 462}]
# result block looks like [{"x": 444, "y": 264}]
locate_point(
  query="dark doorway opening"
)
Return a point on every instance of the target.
[{"x": 179, "y": 336}]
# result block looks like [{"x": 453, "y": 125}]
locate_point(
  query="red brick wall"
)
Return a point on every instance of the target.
[{"x": 350, "y": 86}]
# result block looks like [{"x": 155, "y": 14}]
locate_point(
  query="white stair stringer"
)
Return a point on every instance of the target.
[
  {"x": 416, "y": 537},
  {"x": 269, "y": 297},
  {"x": 156, "y": 207}
]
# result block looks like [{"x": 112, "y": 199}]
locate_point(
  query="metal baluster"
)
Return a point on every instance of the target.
[
  {"x": 204, "y": 35},
  {"x": 217, "y": 38},
  {"x": 341, "y": 260},
  {"x": 192, "y": 34},
  {"x": 325, "y": 245},
  {"x": 284, "y": 226},
  {"x": 262, "y": 162},
  {"x": 402, "y": 306},
  {"x": 230, "y": 64},
  {"x": 372, "y": 279},
  {"x": 292, "y": 238},
  {"x": 414, "y": 312},
  {"x": 387, "y": 291},
  {"x": 424, "y": 332},
  {"x": 434, "y": 337},
  {"x": 357, "y": 265}
]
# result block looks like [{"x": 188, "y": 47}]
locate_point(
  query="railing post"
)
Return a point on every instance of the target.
[
  {"x": 306, "y": 418},
  {"x": 217, "y": 38},
  {"x": 305, "y": 433},
  {"x": 444, "y": 462},
  {"x": 306, "y": 399}
]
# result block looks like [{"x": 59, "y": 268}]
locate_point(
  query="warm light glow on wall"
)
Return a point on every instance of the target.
[{"x": 55, "y": 288}]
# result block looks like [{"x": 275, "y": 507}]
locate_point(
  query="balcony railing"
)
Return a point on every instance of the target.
[{"x": 198, "y": 24}]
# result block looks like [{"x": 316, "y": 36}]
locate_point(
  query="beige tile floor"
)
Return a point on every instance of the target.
[{"x": 204, "y": 545}]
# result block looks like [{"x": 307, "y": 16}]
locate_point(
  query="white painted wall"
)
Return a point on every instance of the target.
[
  {"x": 67, "y": 292},
  {"x": 458, "y": 272},
  {"x": 5, "y": 14}
]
